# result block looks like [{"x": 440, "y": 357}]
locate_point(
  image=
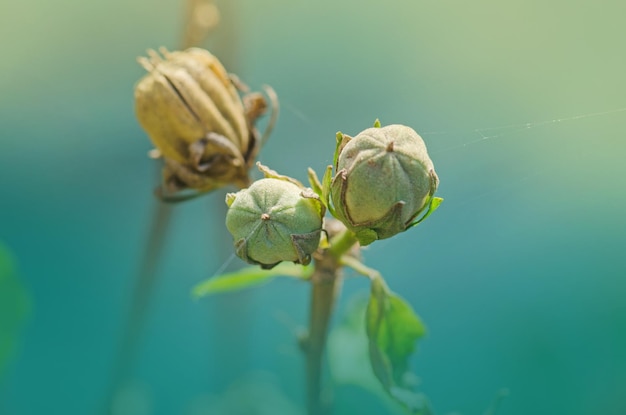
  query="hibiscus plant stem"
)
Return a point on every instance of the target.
[{"x": 326, "y": 285}]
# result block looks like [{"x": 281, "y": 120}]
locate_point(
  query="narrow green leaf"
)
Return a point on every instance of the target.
[
  {"x": 249, "y": 277},
  {"x": 348, "y": 356},
  {"x": 339, "y": 138},
  {"x": 326, "y": 182},
  {"x": 393, "y": 329},
  {"x": 315, "y": 183},
  {"x": 433, "y": 205}
]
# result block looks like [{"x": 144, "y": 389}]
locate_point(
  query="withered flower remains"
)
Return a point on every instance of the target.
[{"x": 191, "y": 109}]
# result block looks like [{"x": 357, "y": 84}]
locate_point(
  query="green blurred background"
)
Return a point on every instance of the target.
[{"x": 520, "y": 276}]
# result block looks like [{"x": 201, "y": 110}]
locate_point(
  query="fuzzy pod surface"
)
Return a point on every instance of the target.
[
  {"x": 274, "y": 220},
  {"x": 384, "y": 180}
]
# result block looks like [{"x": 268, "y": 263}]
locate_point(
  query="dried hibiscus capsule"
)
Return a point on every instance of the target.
[{"x": 203, "y": 129}]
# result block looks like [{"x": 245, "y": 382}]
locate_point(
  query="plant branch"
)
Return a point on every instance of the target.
[
  {"x": 361, "y": 268},
  {"x": 341, "y": 243},
  {"x": 326, "y": 281}
]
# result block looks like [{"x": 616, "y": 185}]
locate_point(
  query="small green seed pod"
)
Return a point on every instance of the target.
[
  {"x": 384, "y": 180},
  {"x": 274, "y": 220}
]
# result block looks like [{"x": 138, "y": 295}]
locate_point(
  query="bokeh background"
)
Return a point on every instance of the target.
[{"x": 520, "y": 276}]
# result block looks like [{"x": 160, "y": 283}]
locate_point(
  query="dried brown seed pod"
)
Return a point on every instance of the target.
[{"x": 192, "y": 111}]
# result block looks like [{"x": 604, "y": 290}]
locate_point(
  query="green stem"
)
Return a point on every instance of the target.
[
  {"x": 326, "y": 280},
  {"x": 341, "y": 243},
  {"x": 375, "y": 277}
]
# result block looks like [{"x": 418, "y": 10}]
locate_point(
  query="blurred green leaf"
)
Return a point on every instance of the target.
[
  {"x": 393, "y": 329},
  {"x": 249, "y": 277},
  {"x": 348, "y": 356},
  {"x": 256, "y": 393},
  {"x": 14, "y": 307}
]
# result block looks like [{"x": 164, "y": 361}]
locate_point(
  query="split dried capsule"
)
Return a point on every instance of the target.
[
  {"x": 190, "y": 108},
  {"x": 274, "y": 220},
  {"x": 384, "y": 180}
]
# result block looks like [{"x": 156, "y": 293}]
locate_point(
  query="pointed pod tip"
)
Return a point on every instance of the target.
[{"x": 230, "y": 198}]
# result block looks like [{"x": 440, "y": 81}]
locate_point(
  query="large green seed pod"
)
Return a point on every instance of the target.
[
  {"x": 274, "y": 220},
  {"x": 384, "y": 180}
]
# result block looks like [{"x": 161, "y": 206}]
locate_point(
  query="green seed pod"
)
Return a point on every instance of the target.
[
  {"x": 384, "y": 180},
  {"x": 190, "y": 108},
  {"x": 275, "y": 220}
]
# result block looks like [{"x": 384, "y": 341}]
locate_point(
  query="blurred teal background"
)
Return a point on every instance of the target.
[{"x": 520, "y": 276}]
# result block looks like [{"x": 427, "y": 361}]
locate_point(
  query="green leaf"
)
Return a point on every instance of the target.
[
  {"x": 315, "y": 183},
  {"x": 339, "y": 140},
  {"x": 14, "y": 307},
  {"x": 256, "y": 393},
  {"x": 326, "y": 182},
  {"x": 249, "y": 277},
  {"x": 393, "y": 329},
  {"x": 432, "y": 206},
  {"x": 348, "y": 356},
  {"x": 322, "y": 189}
]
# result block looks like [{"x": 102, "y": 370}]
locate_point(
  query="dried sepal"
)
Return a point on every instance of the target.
[{"x": 273, "y": 174}]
